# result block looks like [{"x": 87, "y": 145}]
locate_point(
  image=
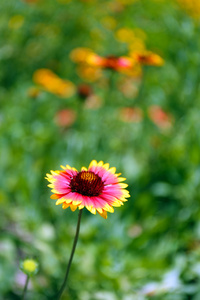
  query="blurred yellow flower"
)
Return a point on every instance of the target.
[
  {"x": 54, "y": 84},
  {"x": 88, "y": 73},
  {"x": 140, "y": 34},
  {"x": 80, "y": 55},
  {"x": 88, "y": 62},
  {"x": 137, "y": 45},
  {"x": 125, "y": 35},
  {"x": 191, "y": 6},
  {"x": 133, "y": 37},
  {"x": 135, "y": 72},
  {"x": 29, "y": 266}
]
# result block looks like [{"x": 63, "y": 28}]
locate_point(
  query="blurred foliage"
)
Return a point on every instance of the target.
[{"x": 150, "y": 248}]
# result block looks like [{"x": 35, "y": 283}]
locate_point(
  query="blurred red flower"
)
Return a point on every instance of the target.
[
  {"x": 65, "y": 117},
  {"x": 113, "y": 62},
  {"x": 159, "y": 117}
]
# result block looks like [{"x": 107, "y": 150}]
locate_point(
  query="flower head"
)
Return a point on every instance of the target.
[
  {"x": 112, "y": 62},
  {"x": 117, "y": 63},
  {"x": 131, "y": 115},
  {"x": 53, "y": 84},
  {"x": 97, "y": 188},
  {"x": 160, "y": 117},
  {"x": 85, "y": 56},
  {"x": 147, "y": 58},
  {"x": 29, "y": 266},
  {"x": 65, "y": 117}
]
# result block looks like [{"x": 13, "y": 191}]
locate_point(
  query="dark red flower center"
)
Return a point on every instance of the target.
[
  {"x": 84, "y": 91},
  {"x": 87, "y": 183},
  {"x": 111, "y": 62}
]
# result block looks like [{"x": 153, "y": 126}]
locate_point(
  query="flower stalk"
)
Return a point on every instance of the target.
[
  {"x": 30, "y": 267},
  {"x": 71, "y": 256},
  {"x": 25, "y": 287}
]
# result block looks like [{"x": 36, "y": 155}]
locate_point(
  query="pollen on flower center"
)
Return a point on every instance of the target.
[
  {"x": 87, "y": 183},
  {"x": 89, "y": 176}
]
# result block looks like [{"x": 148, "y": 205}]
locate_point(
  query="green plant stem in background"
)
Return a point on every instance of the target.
[
  {"x": 25, "y": 287},
  {"x": 71, "y": 256}
]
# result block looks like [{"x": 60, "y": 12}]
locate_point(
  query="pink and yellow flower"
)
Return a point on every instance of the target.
[
  {"x": 130, "y": 65},
  {"x": 111, "y": 62},
  {"x": 91, "y": 59},
  {"x": 97, "y": 188}
]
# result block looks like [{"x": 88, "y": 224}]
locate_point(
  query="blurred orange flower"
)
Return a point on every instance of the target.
[
  {"x": 65, "y": 117},
  {"x": 54, "y": 84},
  {"x": 117, "y": 63},
  {"x": 159, "y": 117},
  {"x": 131, "y": 114},
  {"x": 147, "y": 58}
]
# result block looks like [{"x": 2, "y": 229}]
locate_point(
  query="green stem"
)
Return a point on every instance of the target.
[
  {"x": 71, "y": 256},
  {"x": 25, "y": 287}
]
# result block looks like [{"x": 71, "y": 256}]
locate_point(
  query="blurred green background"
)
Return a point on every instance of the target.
[{"x": 147, "y": 126}]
